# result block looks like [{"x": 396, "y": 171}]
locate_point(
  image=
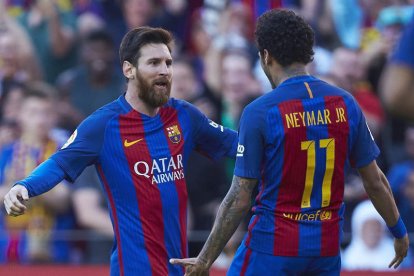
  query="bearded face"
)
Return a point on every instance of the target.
[
  {"x": 153, "y": 75},
  {"x": 154, "y": 93}
]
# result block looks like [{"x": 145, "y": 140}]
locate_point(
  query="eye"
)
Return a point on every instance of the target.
[{"x": 169, "y": 63}]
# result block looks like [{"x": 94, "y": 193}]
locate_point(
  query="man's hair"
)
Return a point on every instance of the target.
[
  {"x": 40, "y": 90},
  {"x": 286, "y": 36},
  {"x": 135, "y": 39},
  {"x": 99, "y": 36}
]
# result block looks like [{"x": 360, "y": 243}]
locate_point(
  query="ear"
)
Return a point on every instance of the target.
[
  {"x": 129, "y": 70},
  {"x": 266, "y": 57}
]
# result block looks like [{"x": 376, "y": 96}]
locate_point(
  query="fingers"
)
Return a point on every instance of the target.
[
  {"x": 183, "y": 262},
  {"x": 396, "y": 262},
  {"x": 13, "y": 205}
]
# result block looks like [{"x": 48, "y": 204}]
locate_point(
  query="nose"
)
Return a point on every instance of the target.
[{"x": 165, "y": 69}]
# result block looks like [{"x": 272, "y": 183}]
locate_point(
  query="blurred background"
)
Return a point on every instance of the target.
[{"x": 59, "y": 63}]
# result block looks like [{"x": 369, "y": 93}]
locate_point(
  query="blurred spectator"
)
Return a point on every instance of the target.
[
  {"x": 238, "y": 86},
  {"x": 10, "y": 106},
  {"x": 52, "y": 32},
  {"x": 371, "y": 248},
  {"x": 17, "y": 58},
  {"x": 348, "y": 72},
  {"x": 32, "y": 238},
  {"x": 95, "y": 82},
  {"x": 91, "y": 213},
  {"x": 398, "y": 78}
]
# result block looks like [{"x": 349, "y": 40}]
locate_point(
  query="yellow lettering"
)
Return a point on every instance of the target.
[
  {"x": 311, "y": 217},
  {"x": 311, "y": 118},
  {"x": 289, "y": 120},
  {"x": 340, "y": 115},
  {"x": 295, "y": 115},
  {"x": 327, "y": 113},
  {"x": 302, "y": 116},
  {"x": 320, "y": 118}
]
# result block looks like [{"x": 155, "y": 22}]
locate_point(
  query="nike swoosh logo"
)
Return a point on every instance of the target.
[{"x": 128, "y": 144}]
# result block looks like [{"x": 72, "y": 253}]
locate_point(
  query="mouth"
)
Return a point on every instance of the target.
[{"x": 162, "y": 84}]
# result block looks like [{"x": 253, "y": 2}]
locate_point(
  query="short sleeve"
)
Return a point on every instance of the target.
[
  {"x": 364, "y": 150},
  {"x": 211, "y": 138},
  {"x": 251, "y": 145},
  {"x": 83, "y": 146}
]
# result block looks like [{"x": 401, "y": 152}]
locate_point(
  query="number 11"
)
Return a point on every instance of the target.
[{"x": 309, "y": 146}]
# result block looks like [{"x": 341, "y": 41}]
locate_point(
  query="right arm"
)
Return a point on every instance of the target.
[{"x": 379, "y": 191}]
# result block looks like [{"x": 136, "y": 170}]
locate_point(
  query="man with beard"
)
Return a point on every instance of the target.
[{"x": 139, "y": 145}]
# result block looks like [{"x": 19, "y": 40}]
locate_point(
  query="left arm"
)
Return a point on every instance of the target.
[{"x": 234, "y": 207}]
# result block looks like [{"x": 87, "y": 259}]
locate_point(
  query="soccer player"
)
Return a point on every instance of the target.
[
  {"x": 299, "y": 140},
  {"x": 139, "y": 144}
]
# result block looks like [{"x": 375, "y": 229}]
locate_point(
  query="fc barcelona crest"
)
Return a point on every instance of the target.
[{"x": 174, "y": 134}]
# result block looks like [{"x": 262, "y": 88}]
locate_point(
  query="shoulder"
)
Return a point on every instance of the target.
[
  {"x": 101, "y": 117},
  {"x": 181, "y": 106}
]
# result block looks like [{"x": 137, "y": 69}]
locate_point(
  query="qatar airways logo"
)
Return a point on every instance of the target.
[{"x": 161, "y": 170}]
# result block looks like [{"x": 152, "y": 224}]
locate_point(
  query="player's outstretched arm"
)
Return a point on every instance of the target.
[
  {"x": 379, "y": 191},
  {"x": 232, "y": 210},
  {"x": 14, "y": 200}
]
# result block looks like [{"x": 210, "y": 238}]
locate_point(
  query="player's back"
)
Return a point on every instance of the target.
[{"x": 309, "y": 131}]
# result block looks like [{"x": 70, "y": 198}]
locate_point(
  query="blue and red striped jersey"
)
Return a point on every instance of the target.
[
  {"x": 141, "y": 163},
  {"x": 299, "y": 140}
]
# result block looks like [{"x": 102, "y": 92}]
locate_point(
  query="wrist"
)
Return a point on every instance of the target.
[{"x": 398, "y": 230}]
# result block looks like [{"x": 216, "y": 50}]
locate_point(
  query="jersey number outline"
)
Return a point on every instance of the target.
[{"x": 309, "y": 146}]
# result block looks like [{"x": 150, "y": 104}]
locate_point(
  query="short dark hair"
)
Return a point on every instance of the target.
[
  {"x": 286, "y": 36},
  {"x": 40, "y": 90},
  {"x": 134, "y": 40},
  {"x": 98, "y": 36}
]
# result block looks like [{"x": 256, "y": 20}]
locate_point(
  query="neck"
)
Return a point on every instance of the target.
[
  {"x": 137, "y": 104},
  {"x": 288, "y": 72}
]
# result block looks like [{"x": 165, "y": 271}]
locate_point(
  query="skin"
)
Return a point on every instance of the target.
[{"x": 237, "y": 201}]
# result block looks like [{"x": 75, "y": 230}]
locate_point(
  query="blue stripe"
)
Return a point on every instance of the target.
[
  {"x": 273, "y": 173},
  {"x": 310, "y": 232},
  {"x": 185, "y": 123},
  {"x": 158, "y": 148},
  {"x": 131, "y": 233}
]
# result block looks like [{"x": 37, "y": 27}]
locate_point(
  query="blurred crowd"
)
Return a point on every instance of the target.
[{"x": 58, "y": 63}]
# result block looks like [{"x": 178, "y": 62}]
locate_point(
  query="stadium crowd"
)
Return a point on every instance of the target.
[{"x": 58, "y": 63}]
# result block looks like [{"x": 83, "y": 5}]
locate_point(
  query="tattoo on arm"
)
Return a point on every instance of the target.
[{"x": 232, "y": 210}]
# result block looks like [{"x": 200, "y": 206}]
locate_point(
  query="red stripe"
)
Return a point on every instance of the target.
[
  {"x": 246, "y": 262},
  {"x": 169, "y": 118},
  {"x": 114, "y": 218},
  {"x": 276, "y": 4},
  {"x": 148, "y": 195},
  {"x": 256, "y": 219},
  {"x": 249, "y": 229},
  {"x": 286, "y": 240},
  {"x": 338, "y": 130}
]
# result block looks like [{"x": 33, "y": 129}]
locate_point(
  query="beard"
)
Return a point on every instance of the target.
[{"x": 156, "y": 93}]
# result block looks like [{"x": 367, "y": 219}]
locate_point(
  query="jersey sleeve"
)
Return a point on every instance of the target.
[
  {"x": 250, "y": 148},
  {"x": 364, "y": 149},
  {"x": 404, "y": 52},
  {"x": 83, "y": 147},
  {"x": 210, "y": 138}
]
